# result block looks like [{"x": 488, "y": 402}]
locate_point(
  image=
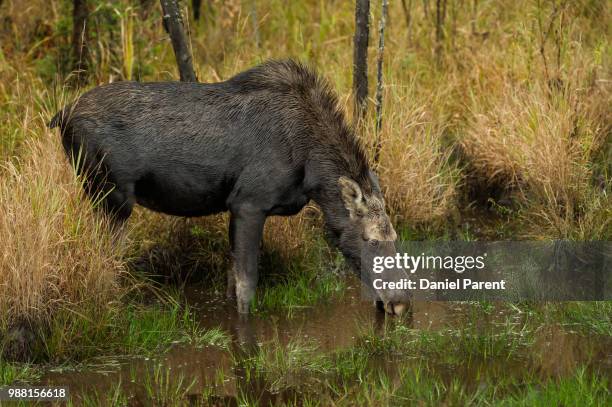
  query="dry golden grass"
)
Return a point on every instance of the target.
[
  {"x": 291, "y": 236},
  {"x": 527, "y": 140},
  {"x": 56, "y": 251},
  {"x": 419, "y": 183},
  {"x": 179, "y": 247},
  {"x": 535, "y": 116},
  {"x": 540, "y": 141},
  {"x": 541, "y": 149},
  {"x": 463, "y": 92}
]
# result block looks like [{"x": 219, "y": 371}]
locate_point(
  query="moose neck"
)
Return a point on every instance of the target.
[
  {"x": 334, "y": 152},
  {"x": 342, "y": 231}
]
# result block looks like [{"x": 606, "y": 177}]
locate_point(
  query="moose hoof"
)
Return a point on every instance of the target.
[
  {"x": 230, "y": 293},
  {"x": 396, "y": 308},
  {"x": 243, "y": 307}
]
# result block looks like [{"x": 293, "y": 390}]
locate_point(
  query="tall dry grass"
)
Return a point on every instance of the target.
[
  {"x": 537, "y": 120},
  {"x": 291, "y": 236},
  {"x": 464, "y": 86},
  {"x": 419, "y": 182},
  {"x": 541, "y": 148},
  {"x": 57, "y": 252}
]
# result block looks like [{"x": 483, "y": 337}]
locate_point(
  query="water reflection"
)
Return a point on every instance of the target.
[{"x": 227, "y": 377}]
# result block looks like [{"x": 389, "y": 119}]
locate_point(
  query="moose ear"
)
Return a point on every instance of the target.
[{"x": 352, "y": 196}]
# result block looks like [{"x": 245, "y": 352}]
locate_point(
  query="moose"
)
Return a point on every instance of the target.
[{"x": 262, "y": 143}]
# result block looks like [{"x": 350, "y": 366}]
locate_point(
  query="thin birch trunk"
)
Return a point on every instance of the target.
[
  {"x": 360, "y": 57},
  {"x": 80, "y": 36},
  {"x": 379, "y": 78},
  {"x": 173, "y": 22}
]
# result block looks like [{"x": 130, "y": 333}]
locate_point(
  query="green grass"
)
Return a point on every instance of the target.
[
  {"x": 310, "y": 278},
  {"x": 580, "y": 389},
  {"x": 211, "y": 337},
  {"x": 130, "y": 329},
  {"x": 310, "y": 383},
  {"x": 298, "y": 365},
  {"x": 588, "y": 317},
  {"x": 160, "y": 387},
  {"x": 420, "y": 386},
  {"x": 304, "y": 291},
  {"x": 114, "y": 397},
  {"x": 164, "y": 388},
  {"x": 354, "y": 378},
  {"x": 486, "y": 358},
  {"x": 464, "y": 342},
  {"x": 17, "y": 373}
]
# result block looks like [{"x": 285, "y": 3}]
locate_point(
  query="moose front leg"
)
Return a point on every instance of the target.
[{"x": 246, "y": 229}]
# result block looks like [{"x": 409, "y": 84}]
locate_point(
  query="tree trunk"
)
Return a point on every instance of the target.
[
  {"x": 408, "y": 16},
  {"x": 173, "y": 23},
  {"x": 474, "y": 16},
  {"x": 360, "y": 57},
  {"x": 379, "y": 78},
  {"x": 145, "y": 8},
  {"x": 440, "y": 17},
  {"x": 426, "y": 9},
  {"x": 80, "y": 54},
  {"x": 197, "y": 6},
  {"x": 255, "y": 22}
]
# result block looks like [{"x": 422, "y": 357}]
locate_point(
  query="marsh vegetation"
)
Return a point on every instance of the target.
[{"x": 495, "y": 125}]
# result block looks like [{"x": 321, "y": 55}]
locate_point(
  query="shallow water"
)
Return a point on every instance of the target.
[
  {"x": 555, "y": 351},
  {"x": 333, "y": 326}
]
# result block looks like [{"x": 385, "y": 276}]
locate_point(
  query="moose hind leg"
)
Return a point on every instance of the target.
[
  {"x": 231, "y": 283},
  {"x": 114, "y": 199},
  {"x": 118, "y": 204},
  {"x": 246, "y": 229}
]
